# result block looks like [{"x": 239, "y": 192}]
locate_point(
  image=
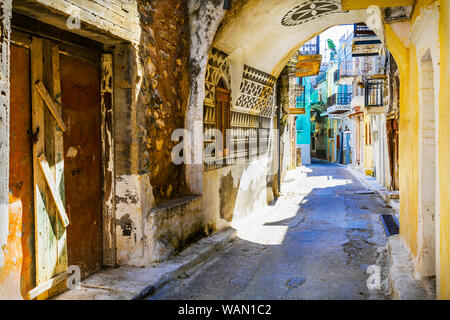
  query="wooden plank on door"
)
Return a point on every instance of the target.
[
  {"x": 46, "y": 171},
  {"x": 61, "y": 231},
  {"x": 47, "y": 285},
  {"x": 42, "y": 224},
  {"x": 50, "y": 104}
]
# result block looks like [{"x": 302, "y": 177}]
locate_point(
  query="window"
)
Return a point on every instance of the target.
[{"x": 222, "y": 114}]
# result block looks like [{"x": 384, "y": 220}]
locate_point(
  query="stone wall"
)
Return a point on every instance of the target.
[{"x": 163, "y": 96}]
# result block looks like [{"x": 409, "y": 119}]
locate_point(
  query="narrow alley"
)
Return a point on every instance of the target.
[
  {"x": 317, "y": 243},
  {"x": 224, "y": 149}
]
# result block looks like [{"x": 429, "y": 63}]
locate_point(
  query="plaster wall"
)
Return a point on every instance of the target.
[
  {"x": 233, "y": 192},
  {"x": 305, "y": 153}
]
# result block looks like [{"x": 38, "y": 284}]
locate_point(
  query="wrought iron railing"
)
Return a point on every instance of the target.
[
  {"x": 298, "y": 89},
  {"x": 311, "y": 47},
  {"x": 300, "y": 101},
  {"x": 340, "y": 99},
  {"x": 347, "y": 68},
  {"x": 374, "y": 93},
  {"x": 321, "y": 77}
]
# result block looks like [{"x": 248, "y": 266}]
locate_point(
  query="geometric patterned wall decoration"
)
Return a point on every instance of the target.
[
  {"x": 254, "y": 110},
  {"x": 218, "y": 67},
  {"x": 255, "y": 89}
]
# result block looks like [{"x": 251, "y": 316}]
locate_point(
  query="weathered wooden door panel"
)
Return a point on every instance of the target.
[
  {"x": 17, "y": 277},
  {"x": 50, "y": 232},
  {"x": 80, "y": 93}
]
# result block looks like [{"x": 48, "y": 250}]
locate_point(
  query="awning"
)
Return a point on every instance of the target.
[
  {"x": 308, "y": 65},
  {"x": 336, "y": 109},
  {"x": 297, "y": 111}
]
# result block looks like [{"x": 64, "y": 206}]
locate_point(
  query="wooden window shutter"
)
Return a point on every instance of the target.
[
  {"x": 223, "y": 113},
  {"x": 366, "y": 136},
  {"x": 226, "y": 123}
]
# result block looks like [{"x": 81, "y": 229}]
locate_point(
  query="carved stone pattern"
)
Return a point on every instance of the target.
[{"x": 311, "y": 10}]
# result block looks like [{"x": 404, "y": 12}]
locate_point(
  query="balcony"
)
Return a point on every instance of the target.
[
  {"x": 321, "y": 77},
  {"x": 339, "y": 103},
  {"x": 309, "y": 58},
  {"x": 300, "y": 105},
  {"x": 312, "y": 47},
  {"x": 341, "y": 99},
  {"x": 346, "y": 72},
  {"x": 298, "y": 90},
  {"x": 365, "y": 41},
  {"x": 373, "y": 95}
]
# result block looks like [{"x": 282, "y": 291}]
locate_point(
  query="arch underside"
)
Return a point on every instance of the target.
[{"x": 259, "y": 29}]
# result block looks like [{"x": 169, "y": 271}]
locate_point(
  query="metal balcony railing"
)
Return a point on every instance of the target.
[
  {"x": 340, "y": 99},
  {"x": 300, "y": 102},
  {"x": 347, "y": 69},
  {"x": 321, "y": 77},
  {"x": 311, "y": 47},
  {"x": 298, "y": 90},
  {"x": 373, "y": 94}
]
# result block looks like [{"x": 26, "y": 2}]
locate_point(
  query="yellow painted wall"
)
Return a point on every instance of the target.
[
  {"x": 444, "y": 150},
  {"x": 408, "y": 137},
  {"x": 409, "y": 118}
]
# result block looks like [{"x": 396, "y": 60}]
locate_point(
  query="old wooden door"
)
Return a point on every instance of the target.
[
  {"x": 80, "y": 93},
  {"x": 392, "y": 135},
  {"x": 67, "y": 155}
]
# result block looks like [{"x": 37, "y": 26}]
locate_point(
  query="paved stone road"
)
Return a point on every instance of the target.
[{"x": 316, "y": 242}]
